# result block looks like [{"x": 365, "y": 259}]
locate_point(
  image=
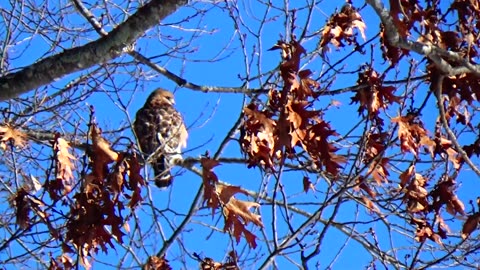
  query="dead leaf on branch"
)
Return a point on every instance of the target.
[
  {"x": 374, "y": 148},
  {"x": 135, "y": 180},
  {"x": 371, "y": 206},
  {"x": 412, "y": 134},
  {"x": 23, "y": 208},
  {"x": 396, "y": 9},
  {"x": 13, "y": 135},
  {"x": 210, "y": 264},
  {"x": 291, "y": 55},
  {"x": 65, "y": 166},
  {"x": 425, "y": 231},
  {"x": 92, "y": 213},
  {"x": 470, "y": 225},
  {"x": 307, "y": 185},
  {"x": 362, "y": 184},
  {"x": 307, "y": 86},
  {"x": 97, "y": 217},
  {"x": 374, "y": 97},
  {"x": 443, "y": 194},
  {"x": 210, "y": 180},
  {"x": 237, "y": 207},
  {"x": 442, "y": 227},
  {"x": 64, "y": 259},
  {"x": 340, "y": 26},
  {"x": 320, "y": 149},
  {"x": 416, "y": 195},
  {"x": 389, "y": 52},
  {"x": 236, "y": 212},
  {"x": 102, "y": 154},
  {"x": 406, "y": 176},
  {"x": 444, "y": 147},
  {"x": 259, "y": 138},
  {"x": 270, "y": 135},
  {"x": 156, "y": 263},
  {"x": 379, "y": 171}
]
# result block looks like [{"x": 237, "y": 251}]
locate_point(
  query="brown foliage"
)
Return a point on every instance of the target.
[
  {"x": 272, "y": 133},
  {"x": 412, "y": 134},
  {"x": 64, "y": 160},
  {"x": 97, "y": 204},
  {"x": 156, "y": 263},
  {"x": 340, "y": 26},
  {"x": 236, "y": 212},
  {"x": 425, "y": 231},
  {"x": 23, "y": 210},
  {"x": 375, "y": 96},
  {"x": 12, "y": 135},
  {"x": 210, "y": 264}
]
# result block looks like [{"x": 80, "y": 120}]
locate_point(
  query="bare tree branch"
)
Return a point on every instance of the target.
[{"x": 90, "y": 54}]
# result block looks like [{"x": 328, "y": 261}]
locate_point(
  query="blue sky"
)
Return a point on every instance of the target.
[{"x": 211, "y": 115}]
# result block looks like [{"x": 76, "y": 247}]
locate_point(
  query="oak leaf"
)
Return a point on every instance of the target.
[
  {"x": 13, "y": 135},
  {"x": 64, "y": 168},
  {"x": 340, "y": 26},
  {"x": 412, "y": 134}
]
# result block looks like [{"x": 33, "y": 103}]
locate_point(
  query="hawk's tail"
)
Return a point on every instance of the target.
[{"x": 163, "y": 178}]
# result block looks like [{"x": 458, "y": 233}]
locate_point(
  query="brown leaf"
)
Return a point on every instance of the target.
[
  {"x": 444, "y": 194},
  {"x": 407, "y": 175},
  {"x": 101, "y": 147},
  {"x": 210, "y": 264},
  {"x": 237, "y": 228},
  {"x": 135, "y": 180},
  {"x": 156, "y": 263},
  {"x": 370, "y": 205},
  {"x": 320, "y": 149},
  {"x": 237, "y": 207},
  {"x": 340, "y": 25},
  {"x": 379, "y": 171},
  {"x": 363, "y": 185},
  {"x": 210, "y": 180},
  {"x": 307, "y": 185},
  {"x": 64, "y": 163},
  {"x": 10, "y": 134},
  {"x": 443, "y": 228},
  {"x": 376, "y": 96},
  {"x": 412, "y": 134},
  {"x": 470, "y": 225},
  {"x": 23, "y": 208},
  {"x": 242, "y": 209},
  {"x": 307, "y": 86},
  {"x": 458, "y": 205},
  {"x": 67, "y": 261},
  {"x": 237, "y": 213},
  {"x": 259, "y": 137}
]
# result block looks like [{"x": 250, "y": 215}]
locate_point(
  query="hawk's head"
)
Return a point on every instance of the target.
[{"x": 160, "y": 97}]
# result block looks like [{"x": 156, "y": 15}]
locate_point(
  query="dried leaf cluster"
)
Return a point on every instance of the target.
[
  {"x": 95, "y": 202},
  {"x": 288, "y": 122},
  {"x": 236, "y": 213}
]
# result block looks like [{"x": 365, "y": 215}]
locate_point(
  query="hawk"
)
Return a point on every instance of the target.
[{"x": 161, "y": 133}]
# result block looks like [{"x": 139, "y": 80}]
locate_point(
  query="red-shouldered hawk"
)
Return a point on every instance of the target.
[{"x": 161, "y": 131}]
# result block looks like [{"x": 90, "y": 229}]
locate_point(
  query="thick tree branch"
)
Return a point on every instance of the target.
[{"x": 90, "y": 54}]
